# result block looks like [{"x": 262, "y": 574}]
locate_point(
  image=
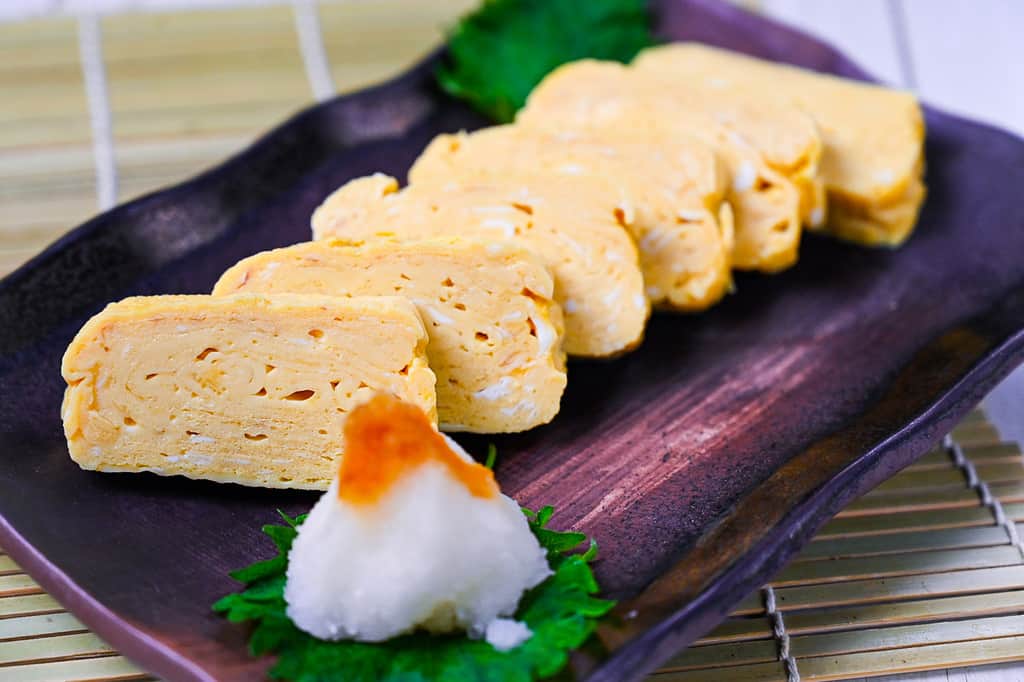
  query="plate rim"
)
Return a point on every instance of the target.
[{"x": 634, "y": 659}]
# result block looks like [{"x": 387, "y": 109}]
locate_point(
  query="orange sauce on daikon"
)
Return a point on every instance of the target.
[{"x": 385, "y": 439}]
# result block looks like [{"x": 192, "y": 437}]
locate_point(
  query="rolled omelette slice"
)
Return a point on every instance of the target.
[
  {"x": 671, "y": 196},
  {"x": 244, "y": 389},
  {"x": 783, "y": 136},
  {"x": 495, "y": 331},
  {"x": 606, "y": 98},
  {"x": 873, "y": 158},
  {"x": 575, "y": 234}
]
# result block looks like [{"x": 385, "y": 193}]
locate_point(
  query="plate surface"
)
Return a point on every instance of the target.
[{"x": 700, "y": 462}]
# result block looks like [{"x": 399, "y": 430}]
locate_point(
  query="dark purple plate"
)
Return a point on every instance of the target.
[{"x": 700, "y": 462}]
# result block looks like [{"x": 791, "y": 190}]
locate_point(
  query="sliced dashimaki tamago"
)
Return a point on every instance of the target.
[
  {"x": 495, "y": 331},
  {"x": 578, "y": 236},
  {"x": 249, "y": 388}
]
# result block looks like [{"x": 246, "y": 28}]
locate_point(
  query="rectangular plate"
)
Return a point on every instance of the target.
[{"x": 700, "y": 462}]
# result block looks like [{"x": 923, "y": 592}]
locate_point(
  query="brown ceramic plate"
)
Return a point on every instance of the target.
[{"x": 700, "y": 462}]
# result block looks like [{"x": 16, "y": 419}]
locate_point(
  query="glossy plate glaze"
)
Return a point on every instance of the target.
[{"x": 700, "y": 462}]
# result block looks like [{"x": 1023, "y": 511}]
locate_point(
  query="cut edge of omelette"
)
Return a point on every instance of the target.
[
  {"x": 794, "y": 153},
  {"x": 246, "y": 389},
  {"x": 595, "y": 262},
  {"x": 605, "y": 96},
  {"x": 671, "y": 197},
  {"x": 495, "y": 331},
  {"x": 873, "y": 161}
]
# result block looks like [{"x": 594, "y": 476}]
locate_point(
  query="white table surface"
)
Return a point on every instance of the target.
[{"x": 965, "y": 56}]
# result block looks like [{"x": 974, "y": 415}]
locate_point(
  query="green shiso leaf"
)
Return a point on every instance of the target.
[
  {"x": 562, "y": 613},
  {"x": 497, "y": 54}
]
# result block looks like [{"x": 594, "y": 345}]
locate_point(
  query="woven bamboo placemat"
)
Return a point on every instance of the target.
[
  {"x": 180, "y": 92},
  {"x": 925, "y": 572}
]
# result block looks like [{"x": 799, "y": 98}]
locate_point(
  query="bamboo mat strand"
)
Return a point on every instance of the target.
[{"x": 892, "y": 588}]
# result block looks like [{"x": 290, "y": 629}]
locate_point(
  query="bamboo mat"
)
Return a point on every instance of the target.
[
  {"x": 915, "y": 575},
  {"x": 186, "y": 90},
  {"x": 919, "y": 574}
]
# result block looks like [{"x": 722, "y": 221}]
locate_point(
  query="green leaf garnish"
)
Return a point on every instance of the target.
[
  {"x": 492, "y": 456},
  {"x": 562, "y": 613},
  {"x": 497, "y": 54}
]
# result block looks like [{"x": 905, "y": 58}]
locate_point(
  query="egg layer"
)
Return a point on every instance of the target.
[
  {"x": 768, "y": 206},
  {"x": 873, "y": 136},
  {"x": 495, "y": 331},
  {"x": 670, "y": 195},
  {"x": 245, "y": 389},
  {"x": 595, "y": 264}
]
